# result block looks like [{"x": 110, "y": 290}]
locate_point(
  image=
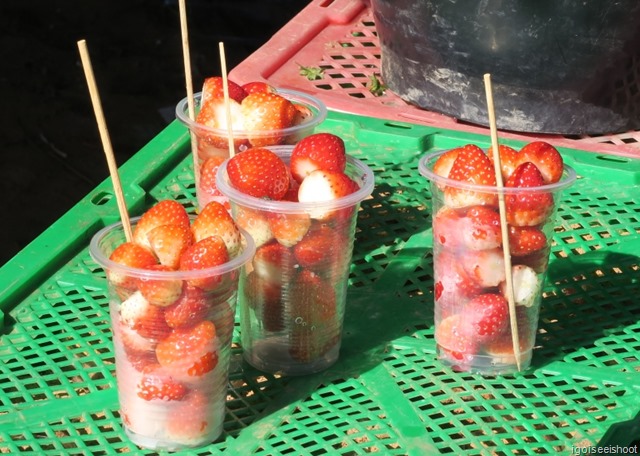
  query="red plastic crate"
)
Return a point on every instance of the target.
[{"x": 340, "y": 37}]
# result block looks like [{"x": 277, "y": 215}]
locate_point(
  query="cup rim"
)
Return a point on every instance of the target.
[
  {"x": 291, "y": 207},
  {"x": 568, "y": 178},
  {"x": 108, "y": 265},
  {"x": 293, "y": 95}
]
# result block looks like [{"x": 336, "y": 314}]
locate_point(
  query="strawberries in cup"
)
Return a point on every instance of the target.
[
  {"x": 470, "y": 297},
  {"x": 301, "y": 203},
  {"x": 258, "y": 114},
  {"x": 173, "y": 290}
]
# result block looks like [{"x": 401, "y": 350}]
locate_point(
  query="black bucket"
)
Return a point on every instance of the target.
[{"x": 557, "y": 66}]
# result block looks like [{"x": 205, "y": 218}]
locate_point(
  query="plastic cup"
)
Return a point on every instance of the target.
[
  {"x": 293, "y": 298},
  {"x": 469, "y": 270},
  {"x": 212, "y": 143},
  {"x": 171, "y": 396}
]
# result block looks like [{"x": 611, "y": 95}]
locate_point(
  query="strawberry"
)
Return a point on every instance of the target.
[
  {"x": 325, "y": 185},
  {"x": 546, "y": 158},
  {"x": 486, "y": 317},
  {"x": 131, "y": 255},
  {"x": 135, "y": 346},
  {"x": 288, "y": 229},
  {"x": 527, "y": 208},
  {"x": 189, "y": 309},
  {"x": 192, "y": 419},
  {"x": 447, "y": 227},
  {"x": 524, "y": 240},
  {"x": 213, "y": 114},
  {"x": 208, "y": 189},
  {"x": 155, "y": 384},
  {"x": 444, "y": 163},
  {"x": 317, "y": 248},
  {"x": 160, "y": 292},
  {"x": 526, "y": 286},
  {"x": 259, "y": 173},
  {"x": 508, "y": 160},
  {"x": 486, "y": 267},
  {"x": 324, "y": 151},
  {"x": 257, "y": 86},
  {"x": 143, "y": 317},
  {"x": 265, "y": 112},
  {"x": 215, "y": 220},
  {"x": 272, "y": 262},
  {"x": 501, "y": 348},
  {"x": 292, "y": 193},
  {"x": 213, "y": 87},
  {"x": 166, "y": 212},
  {"x": 254, "y": 222},
  {"x": 453, "y": 340},
  {"x": 453, "y": 285},
  {"x": 207, "y": 253},
  {"x": 313, "y": 316},
  {"x": 223, "y": 316},
  {"x": 265, "y": 298},
  {"x": 471, "y": 166},
  {"x": 480, "y": 229},
  {"x": 168, "y": 242},
  {"x": 189, "y": 351}
]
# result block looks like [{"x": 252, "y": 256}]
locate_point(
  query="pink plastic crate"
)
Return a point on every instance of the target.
[{"x": 340, "y": 37}]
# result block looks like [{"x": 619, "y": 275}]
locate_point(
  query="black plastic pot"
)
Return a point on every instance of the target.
[{"x": 557, "y": 66}]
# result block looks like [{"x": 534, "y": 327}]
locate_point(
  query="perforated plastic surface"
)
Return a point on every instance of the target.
[
  {"x": 339, "y": 36},
  {"x": 387, "y": 394}
]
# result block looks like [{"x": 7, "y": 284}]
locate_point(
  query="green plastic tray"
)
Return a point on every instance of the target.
[{"x": 388, "y": 393}]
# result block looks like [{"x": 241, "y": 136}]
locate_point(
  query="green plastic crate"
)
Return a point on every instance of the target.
[{"x": 387, "y": 394}]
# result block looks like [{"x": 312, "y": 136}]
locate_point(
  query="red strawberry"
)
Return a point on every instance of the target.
[
  {"x": 288, "y": 229},
  {"x": 192, "y": 419},
  {"x": 266, "y": 112},
  {"x": 166, "y": 212},
  {"x": 207, "y": 253},
  {"x": 189, "y": 309},
  {"x": 486, "y": 267},
  {"x": 546, "y": 158},
  {"x": 481, "y": 228},
  {"x": 168, "y": 242},
  {"x": 215, "y": 220},
  {"x": 292, "y": 193},
  {"x": 135, "y": 346},
  {"x": 273, "y": 262},
  {"x": 160, "y": 291},
  {"x": 324, "y": 151},
  {"x": 453, "y": 341},
  {"x": 265, "y": 298},
  {"x": 155, "y": 384},
  {"x": 527, "y": 208},
  {"x": 257, "y": 86},
  {"x": 132, "y": 255},
  {"x": 189, "y": 351},
  {"x": 313, "y": 317},
  {"x": 259, "y": 173},
  {"x": 447, "y": 227},
  {"x": 508, "y": 160},
  {"x": 474, "y": 167},
  {"x": 486, "y": 316},
  {"x": 255, "y": 222},
  {"x": 501, "y": 348},
  {"x": 325, "y": 185},
  {"x": 318, "y": 247},
  {"x": 213, "y": 87},
  {"x": 207, "y": 184},
  {"x": 144, "y": 318},
  {"x": 444, "y": 163},
  {"x": 524, "y": 240}
]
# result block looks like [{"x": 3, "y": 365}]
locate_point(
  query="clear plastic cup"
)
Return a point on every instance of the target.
[
  {"x": 471, "y": 331},
  {"x": 212, "y": 143},
  {"x": 172, "y": 362},
  {"x": 293, "y": 298}
]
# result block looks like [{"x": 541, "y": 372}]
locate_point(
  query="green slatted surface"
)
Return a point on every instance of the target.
[{"x": 387, "y": 394}]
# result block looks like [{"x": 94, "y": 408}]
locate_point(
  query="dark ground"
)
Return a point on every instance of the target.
[{"x": 51, "y": 154}]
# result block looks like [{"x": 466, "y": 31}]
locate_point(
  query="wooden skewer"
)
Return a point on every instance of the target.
[
  {"x": 106, "y": 141},
  {"x": 515, "y": 338},
  {"x": 227, "y": 104},
  {"x": 189, "y": 85}
]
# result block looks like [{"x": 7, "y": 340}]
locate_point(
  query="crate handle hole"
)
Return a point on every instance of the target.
[
  {"x": 613, "y": 158},
  {"x": 399, "y": 126},
  {"x": 102, "y": 198}
]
